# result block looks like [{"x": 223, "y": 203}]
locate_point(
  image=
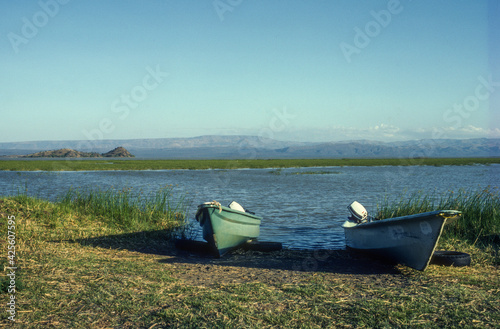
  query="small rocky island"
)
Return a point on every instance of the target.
[{"x": 118, "y": 152}]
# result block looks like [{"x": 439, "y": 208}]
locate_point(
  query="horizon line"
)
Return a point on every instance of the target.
[{"x": 237, "y": 135}]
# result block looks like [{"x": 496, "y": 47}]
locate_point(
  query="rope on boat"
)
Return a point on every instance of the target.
[
  {"x": 213, "y": 203},
  {"x": 217, "y": 204}
]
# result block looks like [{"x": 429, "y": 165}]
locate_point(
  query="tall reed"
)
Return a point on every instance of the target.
[
  {"x": 480, "y": 211},
  {"x": 158, "y": 210}
]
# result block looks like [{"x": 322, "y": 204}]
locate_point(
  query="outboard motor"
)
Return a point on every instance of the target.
[
  {"x": 236, "y": 206},
  {"x": 358, "y": 212}
]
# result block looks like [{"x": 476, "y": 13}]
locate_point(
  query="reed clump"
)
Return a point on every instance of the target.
[{"x": 128, "y": 209}]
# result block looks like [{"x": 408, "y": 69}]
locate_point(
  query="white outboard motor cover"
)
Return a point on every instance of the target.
[
  {"x": 358, "y": 211},
  {"x": 236, "y": 206}
]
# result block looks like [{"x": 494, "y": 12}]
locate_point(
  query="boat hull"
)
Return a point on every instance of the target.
[
  {"x": 226, "y": 229},
  {"x": 409, "y": 240}
]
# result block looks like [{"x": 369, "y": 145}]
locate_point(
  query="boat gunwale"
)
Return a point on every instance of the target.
[
  {"x": 455, "y": 215},
  {"x": 227, "y": 209}
]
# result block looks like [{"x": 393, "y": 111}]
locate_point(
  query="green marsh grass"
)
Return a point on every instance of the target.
[
  {"x": 128, "y": 209},
  {"x": 134, "y": 164}
]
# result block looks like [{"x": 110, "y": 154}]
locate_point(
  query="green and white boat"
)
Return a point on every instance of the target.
[{"x": 227, "y": 228}]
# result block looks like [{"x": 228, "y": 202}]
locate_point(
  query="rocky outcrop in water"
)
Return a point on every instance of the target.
[{"x": 118, "y": 152}]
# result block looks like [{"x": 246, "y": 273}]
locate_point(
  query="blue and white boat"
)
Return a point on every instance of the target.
[{"x": 409, "y": 240}]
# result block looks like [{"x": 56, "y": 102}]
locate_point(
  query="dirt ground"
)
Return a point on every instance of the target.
[
  {"x": 277, "y": 267},
  {"x": 197, "y": 267}
]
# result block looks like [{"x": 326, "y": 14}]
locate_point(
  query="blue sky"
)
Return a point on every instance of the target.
[{"x": 290, "y": 70}]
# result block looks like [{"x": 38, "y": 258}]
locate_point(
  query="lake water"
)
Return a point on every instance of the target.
[{"x": 302, "y": 207}]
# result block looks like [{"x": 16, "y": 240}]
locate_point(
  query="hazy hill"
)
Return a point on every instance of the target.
[
  {"x": 249, "y": 147},
  {"x": 155, "y": 143}
]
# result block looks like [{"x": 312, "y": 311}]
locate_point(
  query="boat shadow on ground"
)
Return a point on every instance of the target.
[
  {"x": 329, "y": 261},
  {"x": 199, "y": 257}
]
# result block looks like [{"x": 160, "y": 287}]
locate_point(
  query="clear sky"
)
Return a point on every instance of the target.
[{"x": 291, "y": 70}]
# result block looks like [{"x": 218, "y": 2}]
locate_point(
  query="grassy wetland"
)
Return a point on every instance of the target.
[
  {"x": 118, "y": 164},
  {"x": 105, "y": 259}
]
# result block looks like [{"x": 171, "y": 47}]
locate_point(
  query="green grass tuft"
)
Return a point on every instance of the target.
[{"x": 127, "y": 209}]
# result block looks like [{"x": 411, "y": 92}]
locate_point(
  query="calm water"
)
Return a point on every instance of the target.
[{"x": 302, "y": 207}]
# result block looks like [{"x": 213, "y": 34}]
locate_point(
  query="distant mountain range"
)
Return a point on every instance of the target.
[{"x": 249, "y": 147}]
